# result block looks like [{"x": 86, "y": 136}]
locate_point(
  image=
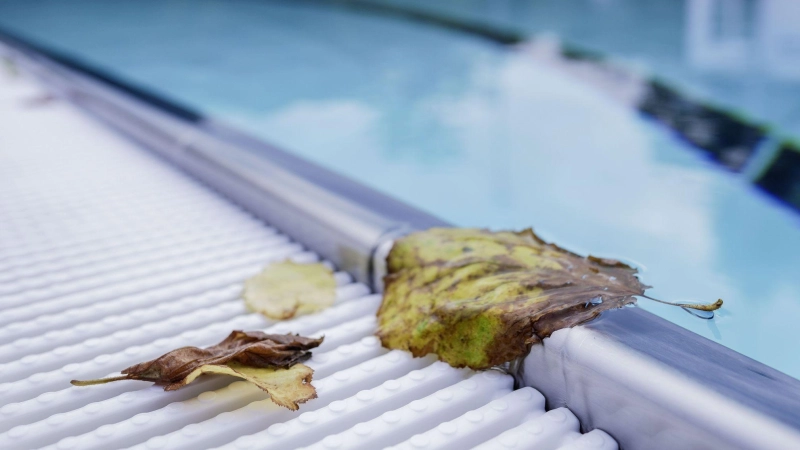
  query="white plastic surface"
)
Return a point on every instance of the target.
[
  {"x": 109, "y": 257},
  {"x": 481, "y": 424},
  {"x": 393, "y": 427}
]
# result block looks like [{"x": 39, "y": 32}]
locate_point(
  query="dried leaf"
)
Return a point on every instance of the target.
[
  {"x": 284, "y": 290},
  {"x": 268, "y": 360},
  {"x": 478, "y": 298},
  {"x": 286, "y": 387}
]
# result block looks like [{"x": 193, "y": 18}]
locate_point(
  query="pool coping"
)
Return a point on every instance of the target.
[{"x": 353, "y": 226}]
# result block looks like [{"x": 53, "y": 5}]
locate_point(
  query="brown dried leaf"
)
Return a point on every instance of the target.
[
  {"x": 478, "y": 298},
  {"x": 284, "y": 290},
  {"x": 268, "y": 360}
]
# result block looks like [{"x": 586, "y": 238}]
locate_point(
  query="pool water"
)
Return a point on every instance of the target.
[
  {"x": 476, "y": 133},
  {"x": 743, "y": 55}
]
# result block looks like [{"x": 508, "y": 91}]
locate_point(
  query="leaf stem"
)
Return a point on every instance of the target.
[
  {"x": 698, "y": 306},
  {"x": 98, "y": 381}
]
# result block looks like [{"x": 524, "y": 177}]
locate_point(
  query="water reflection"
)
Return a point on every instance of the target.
[{"x": 745, "y": 35}]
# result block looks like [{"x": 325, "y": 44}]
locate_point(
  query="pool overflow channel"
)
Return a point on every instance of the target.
[{"x": 161, "y": 264}]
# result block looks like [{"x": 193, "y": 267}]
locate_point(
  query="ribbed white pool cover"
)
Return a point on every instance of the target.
[{"x": 109, "y": 257}]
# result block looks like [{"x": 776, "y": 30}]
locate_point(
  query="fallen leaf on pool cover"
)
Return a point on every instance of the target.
[
  {"x": 286, "y": 387},
  {"x": 270, "y": 361},
  {"x": 478, "y": 298},
  {"x": 284, "y": 290}
]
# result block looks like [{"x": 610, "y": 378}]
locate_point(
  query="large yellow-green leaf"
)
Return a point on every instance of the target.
[
  {"x": 478, "y": 298},
  {"x": 287, "y": 289}
]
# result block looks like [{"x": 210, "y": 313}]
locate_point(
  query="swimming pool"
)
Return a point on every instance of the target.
[{"x": 473, "y": 132}]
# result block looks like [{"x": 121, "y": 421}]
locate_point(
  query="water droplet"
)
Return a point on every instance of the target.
[{"x": 594, "y": 301}]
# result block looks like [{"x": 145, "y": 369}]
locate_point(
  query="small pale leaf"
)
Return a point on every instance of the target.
[
  {"x": 284, "y": 290},
  {"x": 286, "y": 387}
]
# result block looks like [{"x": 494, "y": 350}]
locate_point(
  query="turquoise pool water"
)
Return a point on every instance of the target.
[
  {"x": 743, "y": 55},
  {"x": 476, "y": 133}
]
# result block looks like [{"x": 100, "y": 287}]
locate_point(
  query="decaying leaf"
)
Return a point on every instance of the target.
[
  {"x": 478, "y": 298},
  {"x": 286, "y": 387},
  {"x": 287, "y": 289},
  {"x": 270, "y": 361}
]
